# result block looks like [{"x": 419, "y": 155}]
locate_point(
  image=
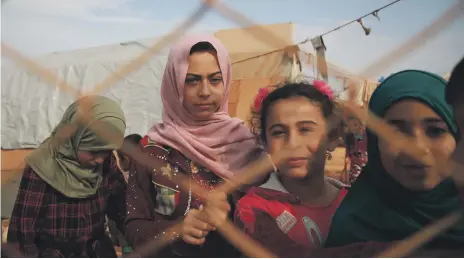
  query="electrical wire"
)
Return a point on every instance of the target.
[{"x": 355, "y": 20}]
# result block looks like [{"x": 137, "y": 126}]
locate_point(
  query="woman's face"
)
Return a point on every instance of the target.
[
  {"x": 204, "y": 87},
  {"x": 291, "y": 123},
  {"x": 429, "y": 132},
  {"x": 90, "y": 160}
]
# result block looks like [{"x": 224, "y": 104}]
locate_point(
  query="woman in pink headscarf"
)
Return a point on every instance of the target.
[{"x": 198, "y": 139}]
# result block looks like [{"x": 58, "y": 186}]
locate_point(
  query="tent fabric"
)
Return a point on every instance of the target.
[
  {"x": 31, "y": 107},
  {"x": 260, "y": 51},
  {"x": 262, "y": 65},
  {"x": 339, "y": 78},
  {"x": 260, "y": 38}
]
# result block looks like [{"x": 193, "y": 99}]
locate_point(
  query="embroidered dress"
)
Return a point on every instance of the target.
[
  {"x": 357, "y": 153},
  {"x": 155, "y": 202}
]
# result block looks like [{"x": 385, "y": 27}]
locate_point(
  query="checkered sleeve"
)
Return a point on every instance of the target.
[{"x": 22, "y": 228}]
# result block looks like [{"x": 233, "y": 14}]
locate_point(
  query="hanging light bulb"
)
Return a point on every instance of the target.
[
  {"x": 376, "y": 14},
  {"x": 367, "y": 30}
]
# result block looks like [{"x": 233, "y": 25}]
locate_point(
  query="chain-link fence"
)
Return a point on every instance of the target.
[{"x": 248, "y": 246}]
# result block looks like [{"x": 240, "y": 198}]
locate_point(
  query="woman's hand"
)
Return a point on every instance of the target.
[
  {"x": 217, "y": 208},
  {"x": 195, "y": 227},
  {"x": 198, "y": 223}
]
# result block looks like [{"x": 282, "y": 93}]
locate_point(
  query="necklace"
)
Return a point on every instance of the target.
[
  {"x": 193, "y": 170},
  {"x": 190, "y": 187}
]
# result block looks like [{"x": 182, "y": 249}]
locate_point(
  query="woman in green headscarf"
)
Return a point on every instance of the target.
[
  {"x": 70, "y": 184},
  {"x": 389, "y": 201}
]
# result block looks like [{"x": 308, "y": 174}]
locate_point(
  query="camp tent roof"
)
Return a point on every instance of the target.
[{"x": 32, "y": 107}]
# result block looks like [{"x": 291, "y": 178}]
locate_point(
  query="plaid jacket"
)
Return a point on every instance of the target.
[{"x": 46, "y": 223}]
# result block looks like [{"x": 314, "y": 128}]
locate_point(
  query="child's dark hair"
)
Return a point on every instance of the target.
[
  {"x": 455, "y": 88},
  {"x": 201, "y": 47},
  {"x": 303, "y": 89},
  {"x": 133, "y": 139}
]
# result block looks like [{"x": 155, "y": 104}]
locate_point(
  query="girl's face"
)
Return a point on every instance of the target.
[
  {"x": 355, "y": 126},
  {"x": 91, "y": 160},
  {"x": 293, "y": 122},
  {"x": 204, "y": 88},
  {"x": 429, "y": 132}
]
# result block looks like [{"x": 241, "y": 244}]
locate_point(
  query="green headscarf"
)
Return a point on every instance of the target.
[
  {"x": 57, "y": 163},
  {"x": 377, "y": 208}
]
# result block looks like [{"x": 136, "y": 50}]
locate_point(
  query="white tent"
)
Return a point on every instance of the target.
[{"x": 32, "y": 107}]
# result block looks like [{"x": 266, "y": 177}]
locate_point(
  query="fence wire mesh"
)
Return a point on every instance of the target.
[{"x": 244, "y": 243}]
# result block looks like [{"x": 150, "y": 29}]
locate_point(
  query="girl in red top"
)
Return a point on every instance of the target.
[{"x": 295, "y": 206}]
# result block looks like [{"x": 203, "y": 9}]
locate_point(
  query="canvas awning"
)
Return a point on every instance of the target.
[{"x": 256, "y": 54}]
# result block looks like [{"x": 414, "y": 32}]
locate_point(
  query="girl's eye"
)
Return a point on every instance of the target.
[
  {"x": 216, "y": 80},
  {"x": 403, "y": 129},
  {"x": 191, "y": 81},
  {"x": 434, "y": 131},
  {"x": 305, "y": 130},
  {"x": 277, "y": 133}
]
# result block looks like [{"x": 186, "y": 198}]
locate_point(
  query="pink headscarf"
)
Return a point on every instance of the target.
[{"x": 221, "y": 144}]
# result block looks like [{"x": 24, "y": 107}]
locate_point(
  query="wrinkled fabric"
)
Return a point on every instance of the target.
[{"x": 57, "y": 163}]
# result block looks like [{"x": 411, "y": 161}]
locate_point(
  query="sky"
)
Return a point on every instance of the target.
[{"x": 38, "y": 27}]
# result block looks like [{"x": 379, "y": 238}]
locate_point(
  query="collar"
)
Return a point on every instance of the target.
[{"x": 274, "y": 183}]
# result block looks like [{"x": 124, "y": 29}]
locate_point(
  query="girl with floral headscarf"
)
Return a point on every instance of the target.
[{"x": 295, "y": 205}]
